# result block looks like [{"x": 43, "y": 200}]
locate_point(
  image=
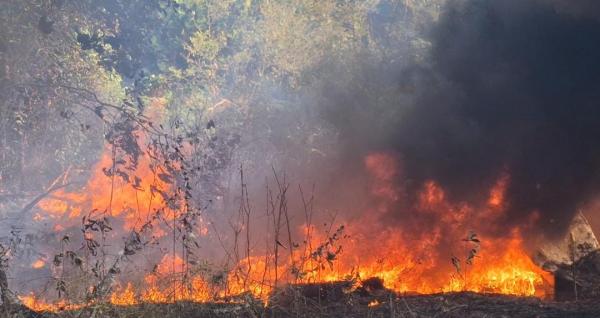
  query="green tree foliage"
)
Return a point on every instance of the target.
[
  {"x": 229, "y": 62},
  {"x": 45, "y": 126}
]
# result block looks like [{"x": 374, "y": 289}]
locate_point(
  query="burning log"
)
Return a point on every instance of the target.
[{"x": 574, "y": 261}]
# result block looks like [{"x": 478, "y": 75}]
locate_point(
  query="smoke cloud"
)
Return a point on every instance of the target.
[{"x": 506, "y": 87}]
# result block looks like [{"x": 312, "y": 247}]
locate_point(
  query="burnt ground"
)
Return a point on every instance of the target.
[{"x": 464, "y": 304}]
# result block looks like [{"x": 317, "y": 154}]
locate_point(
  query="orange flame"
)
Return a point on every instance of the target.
[
  {"x": 40, "y": 263},
  {"x": 406, "y": 254},
  {"x": 35, "y": 304}
]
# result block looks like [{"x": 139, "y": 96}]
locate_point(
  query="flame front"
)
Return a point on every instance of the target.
[
  {"x": 407, "y": 261},
  {"x": 421, "y": 251}
]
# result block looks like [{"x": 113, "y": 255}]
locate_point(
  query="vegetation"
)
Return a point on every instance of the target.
[
  {"x": 195, "y": 102},
  {"x": 66, "y": 63},
  {"x": 199, "y": 86},
  {"x": 135, "y": 136}
]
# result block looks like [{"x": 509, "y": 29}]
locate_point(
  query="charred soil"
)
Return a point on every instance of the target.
[{"x": 327, "y": 302}]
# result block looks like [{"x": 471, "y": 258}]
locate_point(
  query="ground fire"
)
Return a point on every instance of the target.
[{"x": 451, "y": 254}]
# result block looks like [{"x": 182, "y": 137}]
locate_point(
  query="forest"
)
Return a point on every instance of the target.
[{"x": 299, "y": 158}]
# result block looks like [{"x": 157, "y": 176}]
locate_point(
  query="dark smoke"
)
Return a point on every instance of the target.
[
  {"x": 578, "y": 8},
  {"x": 508, "y": 85}
]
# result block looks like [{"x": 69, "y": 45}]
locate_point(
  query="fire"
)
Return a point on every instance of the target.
[
  {"x": 40, "y": 263},
  {"x": 125, "y": 297},
  {"x": 407, "y": 253},
  {"x": 432, "y": 195},
  {"x": 35, "y": 304},
  {"x": 119, "y": 186},
  {"x": 132, "y": 201},
  {"x": 497, "y": 193},
  {"x": 63, "y": 204},
  {"x": 162, "y": 286},
  {"x": 511, "y": 272}
]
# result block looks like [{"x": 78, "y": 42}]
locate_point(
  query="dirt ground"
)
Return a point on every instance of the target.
[{"x": 350, "y": 305}]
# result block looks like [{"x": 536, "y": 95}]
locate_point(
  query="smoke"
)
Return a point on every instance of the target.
[
  {"x": 506, "y": 87},
  {"x": 579, "y": 8}
]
